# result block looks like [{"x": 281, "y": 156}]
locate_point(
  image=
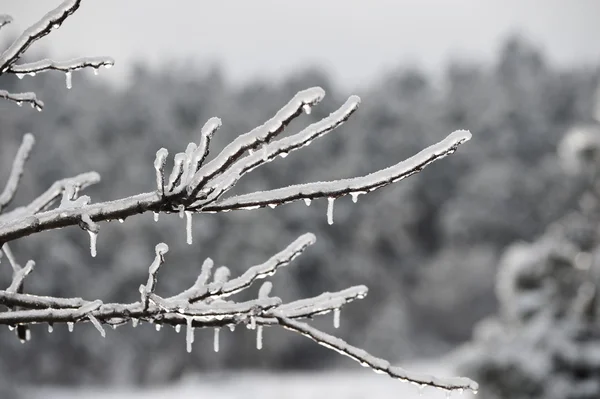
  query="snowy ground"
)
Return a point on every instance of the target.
[{"x": 356, "y": 384}]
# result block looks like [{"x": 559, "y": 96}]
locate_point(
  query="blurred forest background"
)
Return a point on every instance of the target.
[{"x": 428, "y": 248}]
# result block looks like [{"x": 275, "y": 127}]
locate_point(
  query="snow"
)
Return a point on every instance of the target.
[{"x": 354, "y": 384}]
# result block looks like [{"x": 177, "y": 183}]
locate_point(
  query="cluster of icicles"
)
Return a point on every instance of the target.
[
  {"x": 189, "y": 335},
  {"x": 188, "y": 217}
]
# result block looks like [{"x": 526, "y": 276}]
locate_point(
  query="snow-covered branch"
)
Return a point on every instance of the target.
[
  {"x": 21, "y": 98},
  {"x": 16, "y": 171},
  {"x": 177, "y": 194},
  {"x": 376, "y": 364},
  {"x": 203, "y": 307},
  {"x": 192, "y": 185},
  {"x": 48, "y": 23}
]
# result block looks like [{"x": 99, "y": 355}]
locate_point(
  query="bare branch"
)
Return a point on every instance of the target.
[
  {"x": 376, "y": 364},
  {"x": 280, "y": 147},
  {"x": 21, "y": 98},
  {"x": 17, "y": 170}
]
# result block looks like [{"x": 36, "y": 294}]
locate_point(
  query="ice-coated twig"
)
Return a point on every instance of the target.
[
  {"x": 21, "y": 225},
  {"x": 63, "y": 66},
  {"x": 55, "y": 191},
  {"x": 159, "y": 166},
  {"x": 266, "y": 269},
  {"x": 281, "y": 147},
  {"x": 206, "y": 133},
  {"x": 375, "y": 363},
  {"x": 16, "y": 171},
  {"x": 146, "y": 290},
  {"x": 35, "y": 32},
  {"x": 21, "y": 98},
  {"x": 44, "y": 26},
  {"x": 338, "y": 188},
  {"x": 256, "y": 137}
]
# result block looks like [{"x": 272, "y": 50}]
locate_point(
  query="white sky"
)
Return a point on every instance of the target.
[{"x": 353, "y": 40}]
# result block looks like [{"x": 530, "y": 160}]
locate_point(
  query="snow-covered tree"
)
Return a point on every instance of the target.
[
  {"x": 192, "y": 185},
  {"x": 545, "y": 341}
]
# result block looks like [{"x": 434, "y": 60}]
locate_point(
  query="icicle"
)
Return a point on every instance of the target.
[
  {"x": 134, "y": 322},
  {"x": 259, "y": 337},
  {"x": 70, "y": 326},
  {"x": 93, "y": 241},
  {"x": 121, "y": 220},
  {"x": 96, "y": 71},
  {"x": 108, "y": 66},
  {"x": 307, "y": 109},
  {"x": 216, "y": 339},
  {"x": 283, "y": 154},
  {"x": 355, "y": 196},
  {"x": 55, "y": 26},
  {"x": 272, "y": 206},
  {"x": 156, "y": 214},
  {"x": 20, "y": 75},
  {"x": 20, "y": 103},
  {"x": 330, "y": 202},
  {"x": 181, "y": 211},
  {"x": 31, "y": 74},
  {"x": 68, "y": 79},
  {"x": 50, "y": 328},
  {"x": 252, "y": 322},
  {"x": 11, "y": 328},
  {"x": 231, "y": 327},
  {"x": 158, "y": 327},
  {"x": 37, "y": 108},
  {"x": 178, "y": 328},
  {"x": 448, "y": 393},
  {"x": 188, "y": 227},
  {"x": 307, "y": 201},
  {"x": 189, "y": 335},
  {"x": 421, "y": 388},
  {"x": 336, "y": 318}
]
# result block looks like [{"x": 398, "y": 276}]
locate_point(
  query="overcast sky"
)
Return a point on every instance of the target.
[{"x": 353, "y": 40}]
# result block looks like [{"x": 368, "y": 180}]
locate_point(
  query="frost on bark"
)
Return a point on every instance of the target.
[{"x": 188, "y": 185}]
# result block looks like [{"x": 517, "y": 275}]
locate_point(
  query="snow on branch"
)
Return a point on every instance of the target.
[
  {"x": 208, "y": 310},
  {"x": 43, "y": 27},
  {"x": 63, "y": 66},
  {"x": 193, "y": 186},
  {"x": 376, "y": 364},
  {"x": 21, "y": 98},
  {"x": 16, "y": 171},
  {"x": 196, "y": 188}
]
